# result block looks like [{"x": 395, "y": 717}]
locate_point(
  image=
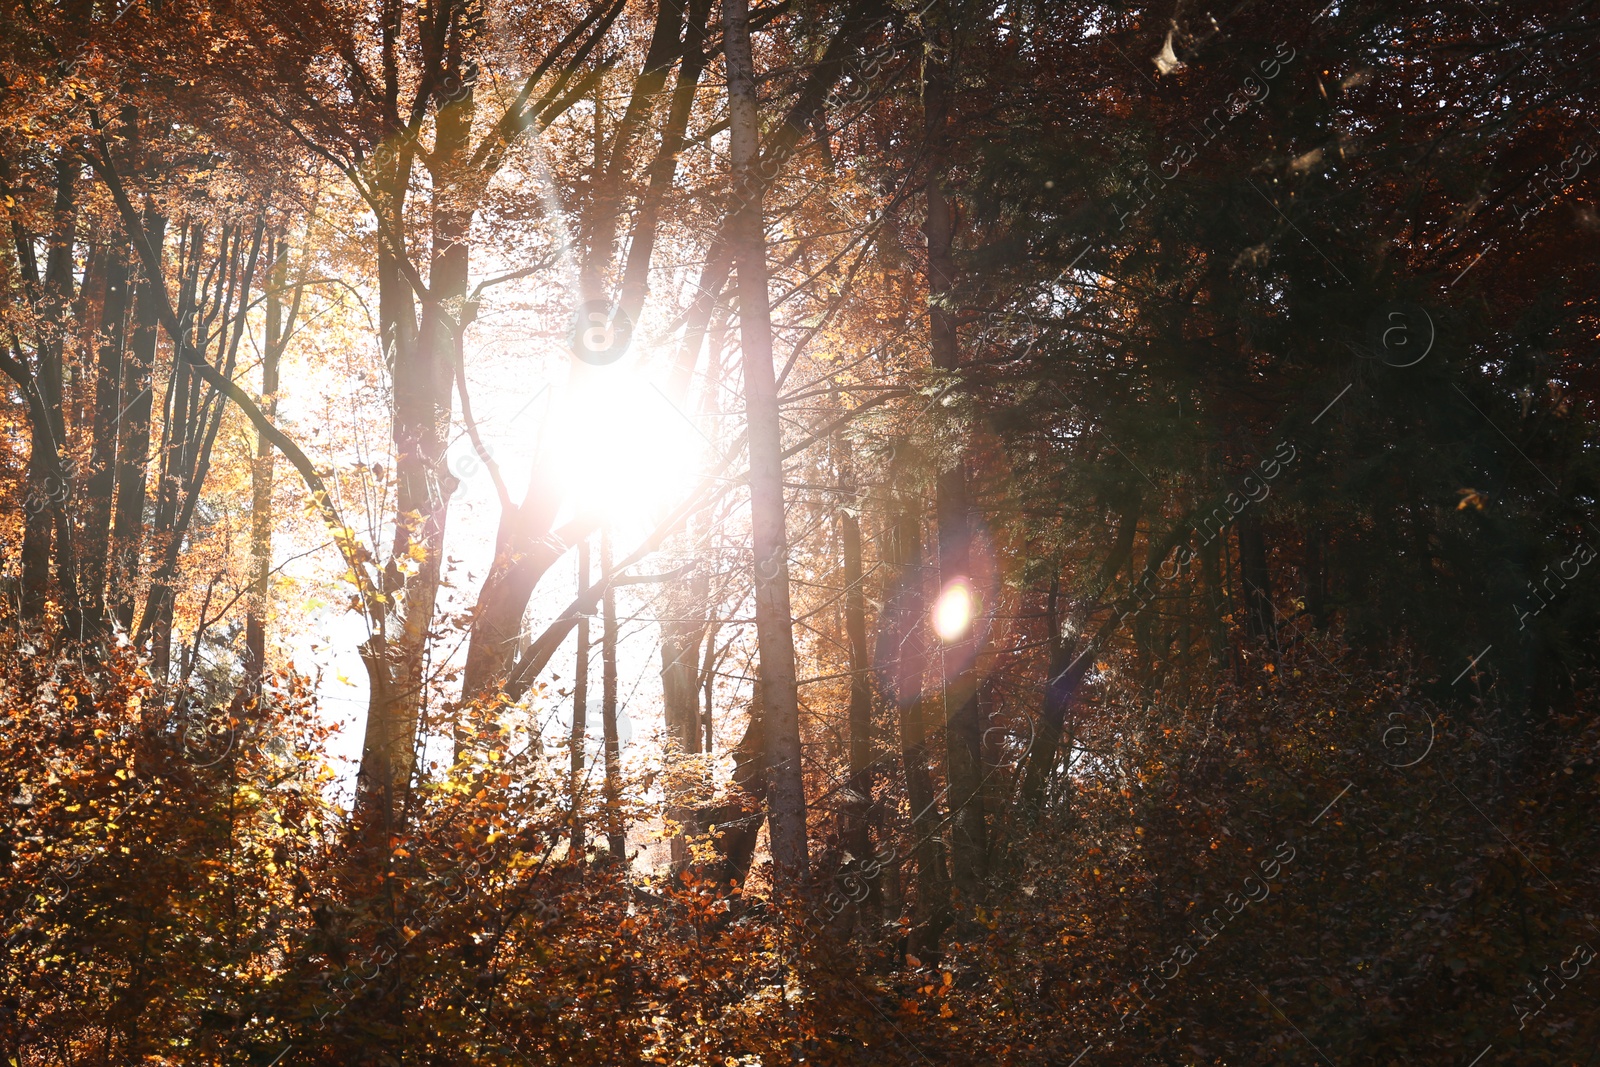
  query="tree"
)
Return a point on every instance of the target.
[{"x": 785, "y": 787}]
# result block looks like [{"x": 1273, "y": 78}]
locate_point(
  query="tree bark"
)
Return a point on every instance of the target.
[
  {"x": 963, "y": 726},
  {"x": 49, "y": 483},
  {"x": 99, "y": 491},
  {"x": 194, "y": 445},
  {"x": 1316, "y": 576},
  {"x": 422, "y": 365},
  {"x": 133, "y": 443},
  {"x": 682, "y": 623},
  {"x": 785, "y": 785},
  {"x": 280, "y": 322},
  {"x": 580, "y": 705},
  {"x": 857, "y": 835},
  {"x": 1255, "y": 580},
  {"x": 902, "y": 641},
  {"x": 616, "y": 837}
]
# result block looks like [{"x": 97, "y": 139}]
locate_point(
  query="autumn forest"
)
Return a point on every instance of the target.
[{"x": 749, "y": 532}]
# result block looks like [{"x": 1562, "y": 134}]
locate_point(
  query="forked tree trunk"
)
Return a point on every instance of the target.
[
  {"x": 785, "y": 786},
  {"x": 422, "y": 363},
  {"x": 525, "y": 547}
]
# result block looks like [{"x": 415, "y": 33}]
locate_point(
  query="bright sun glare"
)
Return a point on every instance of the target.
[
  {"x": 622, "y": 450},
  {"x": 952, "y": 612}
]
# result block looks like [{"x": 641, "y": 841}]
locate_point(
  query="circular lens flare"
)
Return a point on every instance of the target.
[{"x": 953, "y": 611}]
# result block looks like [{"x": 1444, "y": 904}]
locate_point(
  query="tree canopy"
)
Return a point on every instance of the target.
[{"x": 884, "y": 531}]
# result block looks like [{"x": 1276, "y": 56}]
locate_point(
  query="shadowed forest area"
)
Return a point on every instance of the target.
[{"x": 766, "y": 532}]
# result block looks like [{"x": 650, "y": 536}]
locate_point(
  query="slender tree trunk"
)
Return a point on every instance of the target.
[
  {"x": 785, "y": 790},
  {"x": 963, "y": 728},
  {"x": 580, "y": 705},
  {"x": 261, "y": 471},
  {"x": 1256, "y": 581},
  {"x": 133, "y": 445},
  {"x": 905, "y": 657},
  {"x": 708, "y": 681},
  {"x": 100, "y": 488},
  {"x": 1316, "y": 576},
  {"x": 49, "y": 484},
  {"x": 682, "y": 624},
  {"x": 422, "y": 363},
  {"x": 200, "y": 433},
  {"x": 615, "y": 835},
  {"x": 641, "y": 246},
  {"x": 857, "y": 836},
  {"x": 605, "y": 212}
]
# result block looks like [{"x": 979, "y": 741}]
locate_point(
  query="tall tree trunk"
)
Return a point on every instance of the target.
[
  {"x": 133, "y": 441},
  {"x": 963, "y": 728},
  {"x": 200, "y": 427},
  {"x": 615, "y": 835},
  {"x": 774, "y": 636},
  {"x": 422, "y": 365},
  {"x": 902, "y": 641},
  {"x": 857, "y": 835},
  {"x": 605, "y": 211},
  {"x": 99, "y": 490},
  {"x": 1316, "y": 575},
  {"x": 48, "y": 481},
  {"x": 280, "y": 321},
  {"x": 1255, "y": 580},
  {"x": 682, "y": 623},
  {"x": 580, "y": 705},
  {"x": 708, "y": 681}
]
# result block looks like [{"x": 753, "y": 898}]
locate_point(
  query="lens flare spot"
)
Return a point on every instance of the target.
[{"x": 953, "y": 611}]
